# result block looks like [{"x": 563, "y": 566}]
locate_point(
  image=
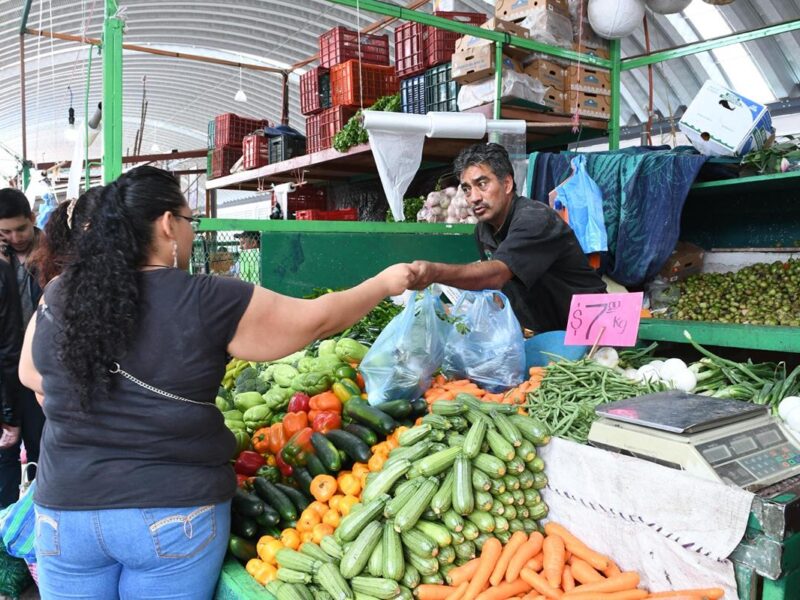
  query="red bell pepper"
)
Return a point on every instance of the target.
[
  {"x": 324, "y": 421},
  {"x": 241, "y": 480},
  {"x": 285, "y": 468},
  {"x": 298, "y": 402},
  {"x": 294, "y": 422},
  {"x": 248, "y": 462},
  {"x": 299, "y": 446}
]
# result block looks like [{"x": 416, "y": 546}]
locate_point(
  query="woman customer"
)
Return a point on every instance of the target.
[{"x": 134, "y": 484}]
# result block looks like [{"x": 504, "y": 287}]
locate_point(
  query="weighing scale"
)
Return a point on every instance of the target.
[{"x": 724, "y": 440}]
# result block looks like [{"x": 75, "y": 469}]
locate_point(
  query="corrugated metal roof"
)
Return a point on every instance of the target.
[{"x": 183, "y": 95}]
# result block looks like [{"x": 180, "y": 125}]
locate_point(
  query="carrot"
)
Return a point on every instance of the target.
[
  {"x": 463, "y": 573},
  {"x": 535, "y": 564},
  {"x": 459, "y": 591},
  {"x": 540, "y": 584},
  {"x": 677, "y": 596},
  {"x": 583, "y": 571},
  {"x": 533, "y": 595},
  {"x": 612, "y": 569},
  {"x": 567, "y": 581},
  {"x": 490, "y": 554},
  {"x": 432, "y": 591},
  {"x": 528, "y": 550},
  {"x": 553, "y": 562},
  {"x": 514, "y": 544},
  {"x": 504, "y": 590},
  {"x": 618, "y": 583},
  {"x": 623, "y": 595},
  {"x": 577, "y": 547},
  {"x": 709, "y": 593}
]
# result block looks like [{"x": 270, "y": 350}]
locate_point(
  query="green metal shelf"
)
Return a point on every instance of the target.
[
  {"x": 760, "y": 183},
  {"x": 753, "y": 337},
  {"x": 333, "y": 226}
]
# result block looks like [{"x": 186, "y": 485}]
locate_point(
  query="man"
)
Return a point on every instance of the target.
[
  {"x": 18, "y": 239},
  {"x": 528, "y": 251},
  {"x": 249, "y": 264}
]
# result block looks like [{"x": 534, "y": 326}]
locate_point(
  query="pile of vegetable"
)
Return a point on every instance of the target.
[
  {"x": 411, "y": 207},
  {"x": 760, "y": 294},
  {"x": 369, "y": 327},
  {"x": 446, "y": 206},
  {"x": 466, "y": 474},
  {"x": 353, "y": 132}
]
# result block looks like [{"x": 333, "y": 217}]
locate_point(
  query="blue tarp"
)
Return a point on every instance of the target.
[{"x": 644, "y": 190}]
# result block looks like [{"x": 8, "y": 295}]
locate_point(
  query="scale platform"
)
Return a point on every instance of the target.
[{"x": 724, "y": 440}]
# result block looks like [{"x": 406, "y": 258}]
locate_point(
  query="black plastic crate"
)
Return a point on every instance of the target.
[
  {"x": 325, "y": 90},
  {"x": 412, "y": 95},
  {"x": 441, "y": 92},
  {"x": 284, "y": 147}
]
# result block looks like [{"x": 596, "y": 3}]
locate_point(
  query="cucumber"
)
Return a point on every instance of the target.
[
  {"x": 365, "y": 434},
  {"x": 396, "y": 409},
  {"x": 279, "y": 501},
  {"x": 377, "y": 420},
  {"x": 315, "y": 466},
  {"x": 303, "y": 479},
  {"x": 297, "y": 497},
  {"x": 326, "y": 452},
  {"x": 241, "y": 548},
  {"x": 246, "y": 504},
  {"x": 245, "y": 527},
  {"x": 354, "y": 447}
]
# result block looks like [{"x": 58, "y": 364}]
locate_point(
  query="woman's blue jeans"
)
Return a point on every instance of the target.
[{"x": 132, "y": 553}]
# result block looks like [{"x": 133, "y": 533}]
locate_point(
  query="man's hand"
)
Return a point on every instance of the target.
[
  {"x": 9, "y": 436},
  {"x": 425, "y": 274}
]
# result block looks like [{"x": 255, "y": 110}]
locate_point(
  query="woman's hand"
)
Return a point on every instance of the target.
[{"x": 397, "y": 278}]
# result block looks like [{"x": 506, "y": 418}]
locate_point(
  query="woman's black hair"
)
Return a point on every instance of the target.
[{"x": 101, "y": 283}]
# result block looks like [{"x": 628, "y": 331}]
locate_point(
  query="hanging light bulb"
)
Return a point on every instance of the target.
[
  {"x": 240, "y": 95},
  {"x": 70, "y": 133}
]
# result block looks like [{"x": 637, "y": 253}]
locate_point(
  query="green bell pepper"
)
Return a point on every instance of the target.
[
  {"x": 350, "y": 350},
  {"x": 311, "y": 383},
  {"x": 247, "y": 400},
  {"x": 257, "y": 417},
  {"x": 283, "y": 375}
]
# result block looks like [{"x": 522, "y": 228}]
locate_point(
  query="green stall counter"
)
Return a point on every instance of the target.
[
  {"x": 236, "y": 584},
  {"x": 298, "y": 256}
]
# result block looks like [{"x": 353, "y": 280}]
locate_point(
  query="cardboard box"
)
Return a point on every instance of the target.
[
  {"x": 601, "y": 51},
  {"x": 469, "y": 42},
  {"x": 720, "y": 122},
  {"x": 685, "y": 260},
  {"x": 548, "y": 72},
  {"x": 581, "y": 78},
  {"x": 555, "y": 100},
  {"x": 468, "y": 67},
  {"x": 514, "y": 10},
  {"x": 586, "y": 34},
  {"x": 588, "y": 105}
]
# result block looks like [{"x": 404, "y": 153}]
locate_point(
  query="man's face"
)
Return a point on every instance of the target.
[
  {"x": 17, "y": 232},
  {"x": 488, "y": 197}
]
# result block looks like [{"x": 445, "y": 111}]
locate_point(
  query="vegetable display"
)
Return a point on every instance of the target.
[
  {"x": 446, "y": 206},
  {"x": 353, "y": 132}
]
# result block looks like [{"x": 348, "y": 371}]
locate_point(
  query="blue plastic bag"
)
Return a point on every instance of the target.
[
  {"x": 402, "y": 361},
  {"x": 583, "y": 200},
  {"x": 49, "y": 204},
  {"x": 485, "y": 344},
  {"x": 17, "y": 527}
]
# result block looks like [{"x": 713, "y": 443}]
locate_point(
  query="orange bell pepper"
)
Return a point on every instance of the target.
[
  {"x": 326, "y": 401},
  {"x": 261, "y": 440},
  {"x": 277, "y": 438},
  {"x": 294, "y": 422}
]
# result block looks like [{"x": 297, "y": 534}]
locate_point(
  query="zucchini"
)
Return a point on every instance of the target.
[
  {"x": 377, "y": 587},
  {"x": 303, "y": 479},
  {"x": 330, "y": 579},
  {"x": 457, "y": 537},
  {"x": 288, "y": 575},
  {"x": 507, "y": 429},
  {"x": 419, "y": 407},
  {"x": 474, "y": 438},
  {"x": 412, "y": 510},
  {"x": 532, "y": 429},
  {"x": 331, "y": 547},
  {"x": 526, "y": 450},
  {"x": 506, "y": 498},
  {"x": 436, "y": 422},
  {"x": 491, "y": 465},
  {"x": 425, "y": 566},
  {"x": 365, "y": 434},
  {"x": 525, "y": 479},
  {"x": 396, "y": 409},
  {"x": 353, "y": 446},
  {"x": 437, "y": 435},
  {"x": 411, "y": 453},
  {"x": 458, "y": 423},
  {"x": 532, "y": 497},
  {"x": 241, "y": 548},
  {"x": 410, "y": 577},
  {"x": 498, "y": 508},
  {"x": 503, "y": 536},
  {"x": 315, "y": 466},
  {"x": 468, "y": 400},
  {"x": 474, "y": 416},
  {"x": 448, "y": 408},
  {"x": 529, "y": 525},
  {"x": 429, "y": 515},
  {"x": 515, "y": 525},
  {"x": 511, "y": 512},
  {"x": 297, "y": 497},
  {"x": 539, "y": 481},
  {"x": 361, "y": 412},
  {"x": 297, "y": 561},
  {"x": 419, "y": 543},
  {"x": 433, "y": 579},
  {"x": 385, "y": 479},
  {"x": 437, "y": 532},
  {"x": 463, "y": 500},
  {"x": 470, "y": 531},
  {"x": 465, "y": 550},
  {"x": 352, "y": 525},
  {"x": 441, "y": 501},
  {"x": 402, "y": 486},
  {"x": 246, "y": 504},
  {"x": 315, "y": 551},
  {"x": 290, "y": 591},
  {"x": 392, "y": 547},
  {"x": 437, "y": 462},
  {"x": 480, "y": 480},
  {"x": 483, "y": 500},
  {"x": 519, "y": 497},
  {"x": 480, "y": 540},
  {"x": 455, "y": 439},
  {"x": 483, "y": 520},
  {"x": 498, "y": 486},
  {"x": 375, "y": 563},
  {"x": 416, "y": 434},
  {"x": 536, "y": 465},
  {"x": 447, "y": 556},
  {"x": 511, "y": 481},
  {"x": 437, "y": 447},
  {"x": 499, "y": 446},
  {"x": 274, "y": 586},
  {"x": 358, "y": 553},
  {"x": 246, "y": 527},
  {"x": 523, "y": 512},
  {"x": 538, "y": 512},
  {"x": 453, "y": 521},
  {"x": 394, "y": 505},
  {"x": 326, "y": 452},
  {"x": 444, "y": 571}
]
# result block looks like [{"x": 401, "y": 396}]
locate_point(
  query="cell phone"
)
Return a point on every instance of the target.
[{"x": 6, "y": 250}]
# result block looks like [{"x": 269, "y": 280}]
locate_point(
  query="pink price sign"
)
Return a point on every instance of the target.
[{"x": 604, "y": 319}]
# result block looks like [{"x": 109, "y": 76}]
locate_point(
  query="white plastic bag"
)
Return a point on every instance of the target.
[
  {"x": 549, "y": 27},
  {"x": 515, "y": 85}
]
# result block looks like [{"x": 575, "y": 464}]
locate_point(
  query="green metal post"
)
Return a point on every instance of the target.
[
  {"x": 26, "y": 11},
  {"x": 26, "y": 174},
  {"x": 86, "y": 167},
  {"x": 614, "y": 121},
  {"x": 112, "y": 93},
  {"x": 498, "y": 77}
]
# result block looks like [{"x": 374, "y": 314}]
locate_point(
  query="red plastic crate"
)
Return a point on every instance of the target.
[
  {"x": 375, "y": 81},
  {"x": 312, "y": 133},
  {"x": 255, "y": 149},
  {"x": 321, "y": 128},
  {"x": 307, "y": 198},
  {"x": 222, "y": 159},
  {"x": 341, "y": 44},
  {"x": 345, "y": 214},
  {"x": 230, "y": 129},
  {"x": 311, "y": 97},
  {"x": 409, "y": 49},
  {"x": 440, "y": 44}
]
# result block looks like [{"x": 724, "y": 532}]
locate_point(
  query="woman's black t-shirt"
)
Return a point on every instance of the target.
[{"x": 134, "y": 447}]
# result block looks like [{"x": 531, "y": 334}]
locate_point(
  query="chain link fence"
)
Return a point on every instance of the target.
[{"x": 228, "y": 254}]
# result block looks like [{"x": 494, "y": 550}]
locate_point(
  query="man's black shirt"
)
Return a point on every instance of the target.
[{"x": 548, "y": 264}]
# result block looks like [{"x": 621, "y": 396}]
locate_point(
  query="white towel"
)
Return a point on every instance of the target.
[{"x": 676, "y": 530}]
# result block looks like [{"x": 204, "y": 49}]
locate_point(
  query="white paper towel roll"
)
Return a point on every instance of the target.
[
  {"x": 469, "y": 126},
  {"x": 378, "y": 120}
]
